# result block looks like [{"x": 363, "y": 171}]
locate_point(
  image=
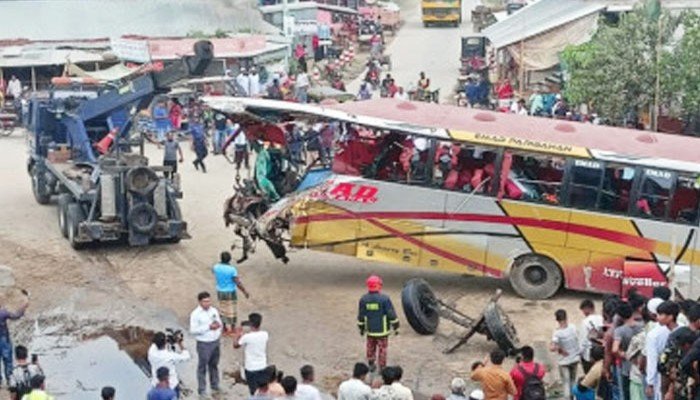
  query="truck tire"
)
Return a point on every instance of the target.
[
  {"x": 501, "y": 329},
  {"x": 74, "y": 216},
  {"x": 535, "y": 277},
  {"x": 419, "y": 306},
  {"x": 42, "y": 194},
  {"x": 142, "y": 218},
  {"x": 141, "y": 180},
  {"x": 64, "y": 200}
]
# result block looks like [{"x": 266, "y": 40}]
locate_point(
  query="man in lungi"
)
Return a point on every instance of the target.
[{"x": 227, "y": 281}]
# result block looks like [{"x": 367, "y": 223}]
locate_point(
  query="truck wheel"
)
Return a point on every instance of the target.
[
  {"x": 64, "y": 200},
  {"x": 39, "y": 188},
  {"x": 420, "y": 306},
  {"x": 535, "y": 277},
  {"x": 74, "y": 216},
  {"x": 501, "y": 329},
  {"x": 142, "y": 218}
]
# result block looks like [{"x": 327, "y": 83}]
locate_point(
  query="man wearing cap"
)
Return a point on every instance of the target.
[
  {"x": 162, "y": 390},
  {"x": 375, "y": 316}
]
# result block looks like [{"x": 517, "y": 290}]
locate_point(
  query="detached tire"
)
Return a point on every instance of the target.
[
  {"x": 64, "y": 200},
  {"x": 536, "y": 277},
  {"x": 74, "y": 216},
  {"x": 142, "y": 218},
  {"x": 500, "y": 329},
  {"x": 141, "y": 180},
  {"x": 419, "y": 304}
]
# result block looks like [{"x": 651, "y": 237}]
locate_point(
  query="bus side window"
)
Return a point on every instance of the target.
[
  {"x": 654, "y": 194},
  {"x": 617, "y": 186},
  {"x": 532, "y": 177},
  {"x": 462, "y": 167},
  {"x": 686, "y": 200},
  {"x": 584, "y": 183}
]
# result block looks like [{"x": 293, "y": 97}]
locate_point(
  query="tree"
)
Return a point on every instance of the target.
[
  {"x": 616, "y": 71},
  {"x": 682, "y": 66}
]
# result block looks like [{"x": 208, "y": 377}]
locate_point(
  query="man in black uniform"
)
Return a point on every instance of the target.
[{"x": 375, "y": 315}]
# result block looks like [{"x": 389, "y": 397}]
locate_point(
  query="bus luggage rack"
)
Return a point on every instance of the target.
[{"x": 423, "y": 311}]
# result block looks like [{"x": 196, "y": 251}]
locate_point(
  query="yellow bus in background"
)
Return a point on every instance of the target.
[{"x": 448, "y": 12}]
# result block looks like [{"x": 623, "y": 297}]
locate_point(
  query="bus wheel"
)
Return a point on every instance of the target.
[
  {"x": 501, "y": 329},
  {"x": 535, "y": 277},
  {"x": 420, "y": 306}
]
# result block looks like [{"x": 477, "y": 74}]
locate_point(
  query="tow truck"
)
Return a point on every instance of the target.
[{"x": 81, "y": 152}]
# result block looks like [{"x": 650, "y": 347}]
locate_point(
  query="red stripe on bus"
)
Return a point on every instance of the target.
[
  {"x": 598, "y": 233},
  {"x": 436, "y": 250}
]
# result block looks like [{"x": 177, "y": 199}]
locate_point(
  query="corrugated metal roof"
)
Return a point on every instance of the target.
[
  {"x": 37, "y": 55},
  {"x": 537, "y": 18},
  {"x": 81, "y": 19}
]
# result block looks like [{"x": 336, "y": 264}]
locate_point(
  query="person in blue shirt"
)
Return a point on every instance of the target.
[
  {"x": 161, "y": 120},
  {"x": 199, "y": 144},
  {"x": 227, "y": 281},
  {"x": 162, "y": 390}
]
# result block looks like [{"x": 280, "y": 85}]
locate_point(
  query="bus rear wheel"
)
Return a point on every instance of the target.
[{"x": 535, "y": 277}]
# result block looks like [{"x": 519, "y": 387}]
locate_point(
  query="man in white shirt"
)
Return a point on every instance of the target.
[
  {"x": 355, "y": 388},
  {"x": 243, "y": 81},
  {"x": 254, "y": 344},
  {"x": 160, "y": 356},
  {"x": 306, "y": 390},
  {"x": 14, "y": 88},
  {"x": 254, "y": 83},
  {"x": 401, "y": 95},
  {"x": 592, "y": 323},
  {"x": 205, "y": 326},
  {"x": 656, "y": 341},
  {"x": 302, "y": 86},
  {"x": 402, "y": 392},
  {"x": 565, "y": 344}
]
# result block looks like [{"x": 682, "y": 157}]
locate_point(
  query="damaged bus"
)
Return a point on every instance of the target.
[{"x": 544, "y": 203}]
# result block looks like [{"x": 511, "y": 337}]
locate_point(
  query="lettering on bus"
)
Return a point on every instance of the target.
[
  {"x": 612, "y": 273},
  {"x": 346, "y": 191},
  {"x": 525, "y": 143},
  {"x": 642, "y": 282}
]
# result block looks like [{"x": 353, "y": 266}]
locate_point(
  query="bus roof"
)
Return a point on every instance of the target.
[
  {"x": 549, "y": 135},
  {"x": 445, "y": 122}
]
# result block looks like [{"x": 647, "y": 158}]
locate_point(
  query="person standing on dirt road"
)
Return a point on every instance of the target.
[
  {"x": 227, "y": 281},
  {"x": 171, "y": 150},
  {"x": 205, "y": 325},
  {"x": 162, "y": 391},
  {"x": 38, "y": 389},
  {"x": 254, "y": 344},
  {"x": 5, "y": 339},
  {"x": 375, "y": 315},
  {"x": 20, "y": 381},
  {"x": 495, "y": 381},
  {"x": 565, "y": 344}
]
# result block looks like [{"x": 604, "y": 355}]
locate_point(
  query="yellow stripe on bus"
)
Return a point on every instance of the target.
[{"x": 519, "y": 143}]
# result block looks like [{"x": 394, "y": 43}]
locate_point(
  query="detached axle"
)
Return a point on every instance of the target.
[{"x": 423, "y": 311}]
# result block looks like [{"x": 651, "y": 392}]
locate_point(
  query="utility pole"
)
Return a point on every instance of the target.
[{"x": 657, "y": 84}]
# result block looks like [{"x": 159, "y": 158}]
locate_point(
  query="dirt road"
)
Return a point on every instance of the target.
[
  {"x": 433, "y": 50},
  {"x": 309, "y": 305}
]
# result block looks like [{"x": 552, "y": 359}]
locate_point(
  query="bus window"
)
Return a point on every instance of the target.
[
  {"x": 462, "y": 167},
  {"x": 586, "y": 177},
  {"x": 654, "y": 193},
  {"x": 617, "y": 186},
  {"x": 686, "y": 200},
  {"x": 532, "y": 177},
  {"x": 357, "y": 149}
]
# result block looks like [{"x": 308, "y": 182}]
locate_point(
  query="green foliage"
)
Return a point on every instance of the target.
[
  {"x": 683, "y": 66},
  {"x": 616, "y": 71}
]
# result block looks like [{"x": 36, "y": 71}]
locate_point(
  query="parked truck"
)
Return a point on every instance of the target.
[
  {"x": 82, "y": 154},
  {"x": 441, "y": 12}
]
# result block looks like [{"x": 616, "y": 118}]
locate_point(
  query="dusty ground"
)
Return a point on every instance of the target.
[{"x": 308, "y": 305}]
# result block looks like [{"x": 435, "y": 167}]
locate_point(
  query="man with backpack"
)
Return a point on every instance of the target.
[
  {"x": 22, "y": 374},
  {"x": 527, "y": 376}
]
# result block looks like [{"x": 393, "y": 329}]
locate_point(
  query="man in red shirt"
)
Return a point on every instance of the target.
[{"x": 529, "y": 366}]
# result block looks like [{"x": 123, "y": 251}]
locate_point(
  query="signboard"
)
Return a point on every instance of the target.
[
  {"x": 305, "y": 28},
  {"x": 131, "y": 49}
]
